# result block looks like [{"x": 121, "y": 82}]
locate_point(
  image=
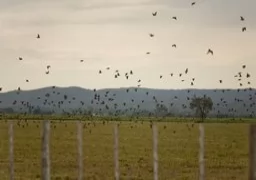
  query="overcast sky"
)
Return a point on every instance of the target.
[{"x": 115, "y": 33}]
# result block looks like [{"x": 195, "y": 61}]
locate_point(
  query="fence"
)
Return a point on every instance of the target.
[{"x": 46, "y": 153}]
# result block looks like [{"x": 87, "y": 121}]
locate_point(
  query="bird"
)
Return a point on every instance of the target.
[
  {"x": 186, "y": 71},
  {"x": 81, "y": 60},
  {"x": 147, "y": 52},
  {"x": 154, "y": 13},
  {"x": 38, "y": 36},
  {"x": 244, "y": 66},
  {"x": 210, "y": 52},
  {"x": 241, "y": 18},
  {"x": 161, "y": 76},
  {"x": 174, "y": 17},
  {"x": 220, "y": 81},
  {"x": 151, "y": 35},
  {"x": 27, "y": 80},
  {"x": 243, "y": 29},
  {"x": 174, "y": 46},
  {"x": 48, "y": 66},
  {"x": 108, "y": 68},
  {"x": 20, "y": 58},
  {"x": 47, "y": 72},
  {"x": 193, "y": 3},
  {"x": 100, "y": 71}
]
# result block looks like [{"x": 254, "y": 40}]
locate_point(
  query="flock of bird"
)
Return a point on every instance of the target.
[{"x": 103, "y": 101}]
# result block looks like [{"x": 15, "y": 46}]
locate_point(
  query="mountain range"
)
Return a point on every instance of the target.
[{"x": 226, "y": 102}]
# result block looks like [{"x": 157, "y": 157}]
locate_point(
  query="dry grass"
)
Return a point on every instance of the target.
[{"x": 226, "y": 151}]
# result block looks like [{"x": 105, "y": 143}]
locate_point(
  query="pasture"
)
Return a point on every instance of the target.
[{"x": 226, "y": 150}]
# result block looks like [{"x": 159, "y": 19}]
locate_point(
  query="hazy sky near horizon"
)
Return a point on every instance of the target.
[{"x": 115, "y": 33}]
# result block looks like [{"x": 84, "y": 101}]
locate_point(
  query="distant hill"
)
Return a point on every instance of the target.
[{"x": 126, "y": 100}]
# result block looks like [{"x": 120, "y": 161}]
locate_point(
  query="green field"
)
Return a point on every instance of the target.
[{"x": 226, "y": 150}]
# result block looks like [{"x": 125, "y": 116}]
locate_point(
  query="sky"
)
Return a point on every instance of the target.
[{"x": 115, "y": 34}]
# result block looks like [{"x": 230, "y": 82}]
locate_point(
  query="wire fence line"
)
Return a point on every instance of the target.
[{"x": 45, "y": 137}]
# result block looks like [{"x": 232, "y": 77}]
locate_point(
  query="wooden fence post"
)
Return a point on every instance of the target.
[
  {"x": 155, "y": 151},
  {"x": 80, "y": 150},
  {"x": 201, "y": 152},
  {"x": 11, "y": 156},
  {"x": 116, "y": 159},
  {"x": 252, "y": 152},
  {"x": 45, "y": 151}
]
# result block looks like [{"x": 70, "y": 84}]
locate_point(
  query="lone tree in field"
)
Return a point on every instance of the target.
[{"x": 202, "y": 105}]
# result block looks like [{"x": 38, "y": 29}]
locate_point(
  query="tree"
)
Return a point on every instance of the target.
[
  {"x": 202, "y": 105},
  {"x": 161, "y": 110}
]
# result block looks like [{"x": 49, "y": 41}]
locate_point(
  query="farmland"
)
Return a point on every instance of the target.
[{"x": 226, "y": 147}]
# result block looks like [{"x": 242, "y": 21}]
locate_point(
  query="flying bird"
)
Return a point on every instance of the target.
[
  {"x": 243, "y": 29},
  {"x": 241, "y": 18},
  {"x": 20, "y": 58},
  {"x": 193, "y": 3},
  {"x": 151, "y": 35},
  {"x": 174, "y": 46},
  {"x": 174, "y": 17},
  {"x": 154, "y": 13},
  {"x": 38, "y": 36},
  {"x": 81, "y": 60},
  {"x": 210, "y": 52}
]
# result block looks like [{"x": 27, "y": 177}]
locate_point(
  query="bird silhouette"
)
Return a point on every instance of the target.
[
  {"x": 154, "y": 13},
  {"x": 243, "y": 29},
  {"x": 20, "y": 58},
  {"x": 210, "y": 52},
  {"x": 193, "y": 3},
  {"x": 174, "y": 17},
  {"x": 151, "y": 35},
  {"x": 174, "y": 46},
  {"x": 38, "y": 36},
  {"x": 241, "y": 18}
]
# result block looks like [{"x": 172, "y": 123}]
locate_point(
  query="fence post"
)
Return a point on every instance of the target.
[
  {"x": 116, "y": 159},
  {"x": 252, "y": 152},
  {"x": 80, "y": 150},
  {"x": 11, "y": 156},
  {"x": 201, "y": 152},
  {"x": 155, "y": 152},
  {"x": 45, "y": 151}
]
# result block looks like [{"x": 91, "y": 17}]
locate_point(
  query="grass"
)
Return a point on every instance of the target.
[{"x": 226, "y": 150}]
